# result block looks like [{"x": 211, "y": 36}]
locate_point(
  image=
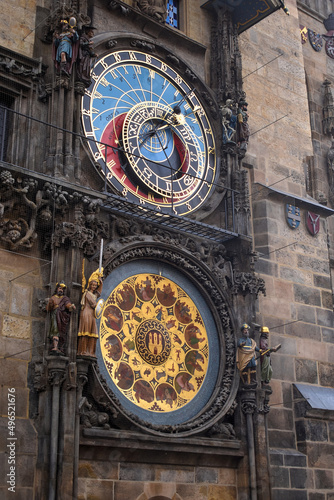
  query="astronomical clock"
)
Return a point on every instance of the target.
[
  {"x": 149, "y": 132},
  {"x": 166, "y": 348}
]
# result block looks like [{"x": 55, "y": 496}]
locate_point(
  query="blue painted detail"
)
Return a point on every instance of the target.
[
  {"x": 292, "y": 216},
  {"x": 173, "y": 13}
]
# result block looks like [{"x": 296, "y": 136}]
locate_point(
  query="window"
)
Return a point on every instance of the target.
[
  {"x": 173, "y": 13},
  {"x": 6, "y": 102}
]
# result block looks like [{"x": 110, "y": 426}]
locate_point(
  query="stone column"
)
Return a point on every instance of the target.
[
  {"x": 248, "y": 406},
  {"x": 56, "y": 367}
]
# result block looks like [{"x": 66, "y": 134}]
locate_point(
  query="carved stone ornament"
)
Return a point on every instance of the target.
[
  {"x": 157, "y": 9},
  {"x": 222, "y": 430},
  {"x": 40, "y": 376},
  {"x": 28, "y": 207},
  {"x": 91, "y": 417},
  {"x": 14, "y": 65},
  {"x": 245, "y": 283},
  {"x": 328, "y": 110},
  {"x": 222, "y": 398}
]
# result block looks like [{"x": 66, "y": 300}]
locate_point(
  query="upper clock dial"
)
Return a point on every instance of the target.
[{"x": 150, "y": 133}]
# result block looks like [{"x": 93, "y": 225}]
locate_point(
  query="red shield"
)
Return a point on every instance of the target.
[{"x": 313, "y": 223}]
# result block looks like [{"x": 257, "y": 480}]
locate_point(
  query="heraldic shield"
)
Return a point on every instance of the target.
[
  {"x": 292, "y": 216},
  {"x": 313, "y": 223}
]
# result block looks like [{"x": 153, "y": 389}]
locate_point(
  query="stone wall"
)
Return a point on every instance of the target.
[
  {"x": 21, "y": 333},
  {"x": 21, "y": 20},
  {"x": 138, "y": 482},
  {"x": 298, "y": 307}
]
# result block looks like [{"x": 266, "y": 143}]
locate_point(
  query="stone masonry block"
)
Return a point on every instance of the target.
[
  {"x": 306, "y": 313},
  {"x": 279, "y": 494},
  {"x": 321, "y": 281},
  {"x": 20, "y": 300},
  {"x": 324, "y": 479},
  {"x": 327, "y": 299},
  {"x": 294, "y": 459},
  {"x": 99, "y": 489},
  {"x": 299, "y": 478},
  {"x": 325, "y": 318},
  {"x": 307, "y": 295},
  {"x": 98, "y": 469},
  {"x": 19, "y": 347},
  {"x": 190, "y": 491},
  {"x": 311, "y": 430},
  {"x": 311, "y": 263},
  {"x": 316, "y": 496},
  {"x": 310, "y": 349},
  {"x": 291, "y": 274},
  {"x": 264, "y": 208},
  {"x": 280, "y": 418},
  {"x": 219, "y": 492},
  {"x": 306, "y": 371},
  {"x": 281, "y": 439},
  {"x": 320, "y": 455},
  {"x": 265, "y": 225},
  {"x": 276, "y": 457},
  {"x": 326, "y": 374},
  {"x": 136, "y": 472},
  {"x": 16, "y": 327},
  {"x": 4, "y": 295},
  {"x": 305, "y": 330},
  {"x": 283, "y": 368},
  {"x": 264, "y": 266},
  {"x": 13, "y": 373},
  {"x": 331, "y": 430},
  {"x": 206, "y": 475},
  {"x": 175, "y": 475},
  {"x": 328, "y": 335},
  {"x": 280, "y": 477},
  {"x": 227, "y": 476}
]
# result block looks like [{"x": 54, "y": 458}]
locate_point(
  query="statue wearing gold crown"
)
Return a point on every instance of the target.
[{"x": 88, "y": 333}]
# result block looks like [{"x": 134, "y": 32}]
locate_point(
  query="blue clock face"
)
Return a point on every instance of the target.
[{"x": 149, "y": 132}]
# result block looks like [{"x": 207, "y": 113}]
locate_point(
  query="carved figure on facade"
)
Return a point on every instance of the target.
[
  {"x": 154, "y": 8},
  {"x": 222, "y": 430},
  {"x": 66, "y": 46},
  {"x": 86, "y": 56},
  {"x": 59, "y": 306},
  {"x": 88, "y": 333},
  {"x": 40, "y": 376},
  {"x": 19, "y": 194},
  {"x": 265, "y": 359},
  {"x": 89, "y": 417},
  {"x": 243, "y": 127},
  {"x": 229, "y": 122},
  {"x": 330, "y": 167},
  {"x": 328, "y": 110},
  {"x": 246, "y": 360}
]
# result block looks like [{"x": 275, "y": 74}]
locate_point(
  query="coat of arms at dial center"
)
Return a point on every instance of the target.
[{"x": 154, "y": 343}]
